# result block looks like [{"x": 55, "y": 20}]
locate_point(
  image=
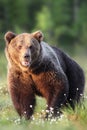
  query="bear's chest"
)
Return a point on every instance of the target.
[{"x": 45, "y": 81}]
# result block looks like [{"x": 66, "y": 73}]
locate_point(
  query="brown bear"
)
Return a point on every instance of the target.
[{"x": 36, "y": 68}]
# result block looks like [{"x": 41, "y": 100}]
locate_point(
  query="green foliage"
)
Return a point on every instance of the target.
[
  {"x": 45, "y": 23},
  {"x": 64, "y": 23},
  {"x": 3, "y": 67}
]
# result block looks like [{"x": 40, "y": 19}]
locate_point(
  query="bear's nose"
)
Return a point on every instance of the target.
[{"x": 26, "y": 56}]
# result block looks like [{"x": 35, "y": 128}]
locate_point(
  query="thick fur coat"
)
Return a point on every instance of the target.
[{"x": 36, "y": 68}]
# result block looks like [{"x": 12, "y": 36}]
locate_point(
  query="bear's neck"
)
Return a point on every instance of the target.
[{"x": 41, "y": 64}]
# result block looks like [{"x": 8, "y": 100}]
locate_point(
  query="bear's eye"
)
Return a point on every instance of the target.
[
  {"x": 31, "y": 47},
  {"x": 19, "y": 47}
]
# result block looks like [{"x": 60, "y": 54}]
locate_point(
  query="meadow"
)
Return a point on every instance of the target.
[{"x": 69, "y": 120}]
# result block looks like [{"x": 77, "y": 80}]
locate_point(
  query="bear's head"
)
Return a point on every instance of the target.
[{"x": 24, "y": 49}]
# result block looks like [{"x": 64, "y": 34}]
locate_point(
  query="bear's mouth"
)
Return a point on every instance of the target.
[{"x": 25, "y": 63}]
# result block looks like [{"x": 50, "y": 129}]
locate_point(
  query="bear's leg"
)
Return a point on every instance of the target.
[
  {"x": 57, "y": 101},
  {"x": 75, "y": 97},
  {"x": 76, "y": 90},
  {"x": 24, "y": 103},
  {"x": 56, "y": 104}
]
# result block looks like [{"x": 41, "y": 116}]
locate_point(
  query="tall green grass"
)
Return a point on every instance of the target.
[
  {"x": 3, "y": 67},
  {"x": 69, "y": 120}
]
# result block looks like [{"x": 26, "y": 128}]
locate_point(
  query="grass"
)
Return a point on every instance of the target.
[{"x": 9, "y": 120}]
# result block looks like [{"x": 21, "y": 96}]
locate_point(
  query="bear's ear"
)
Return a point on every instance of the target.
[
  {"x": 38, "y": 35},
  {"x": 9, "y": 36}
]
